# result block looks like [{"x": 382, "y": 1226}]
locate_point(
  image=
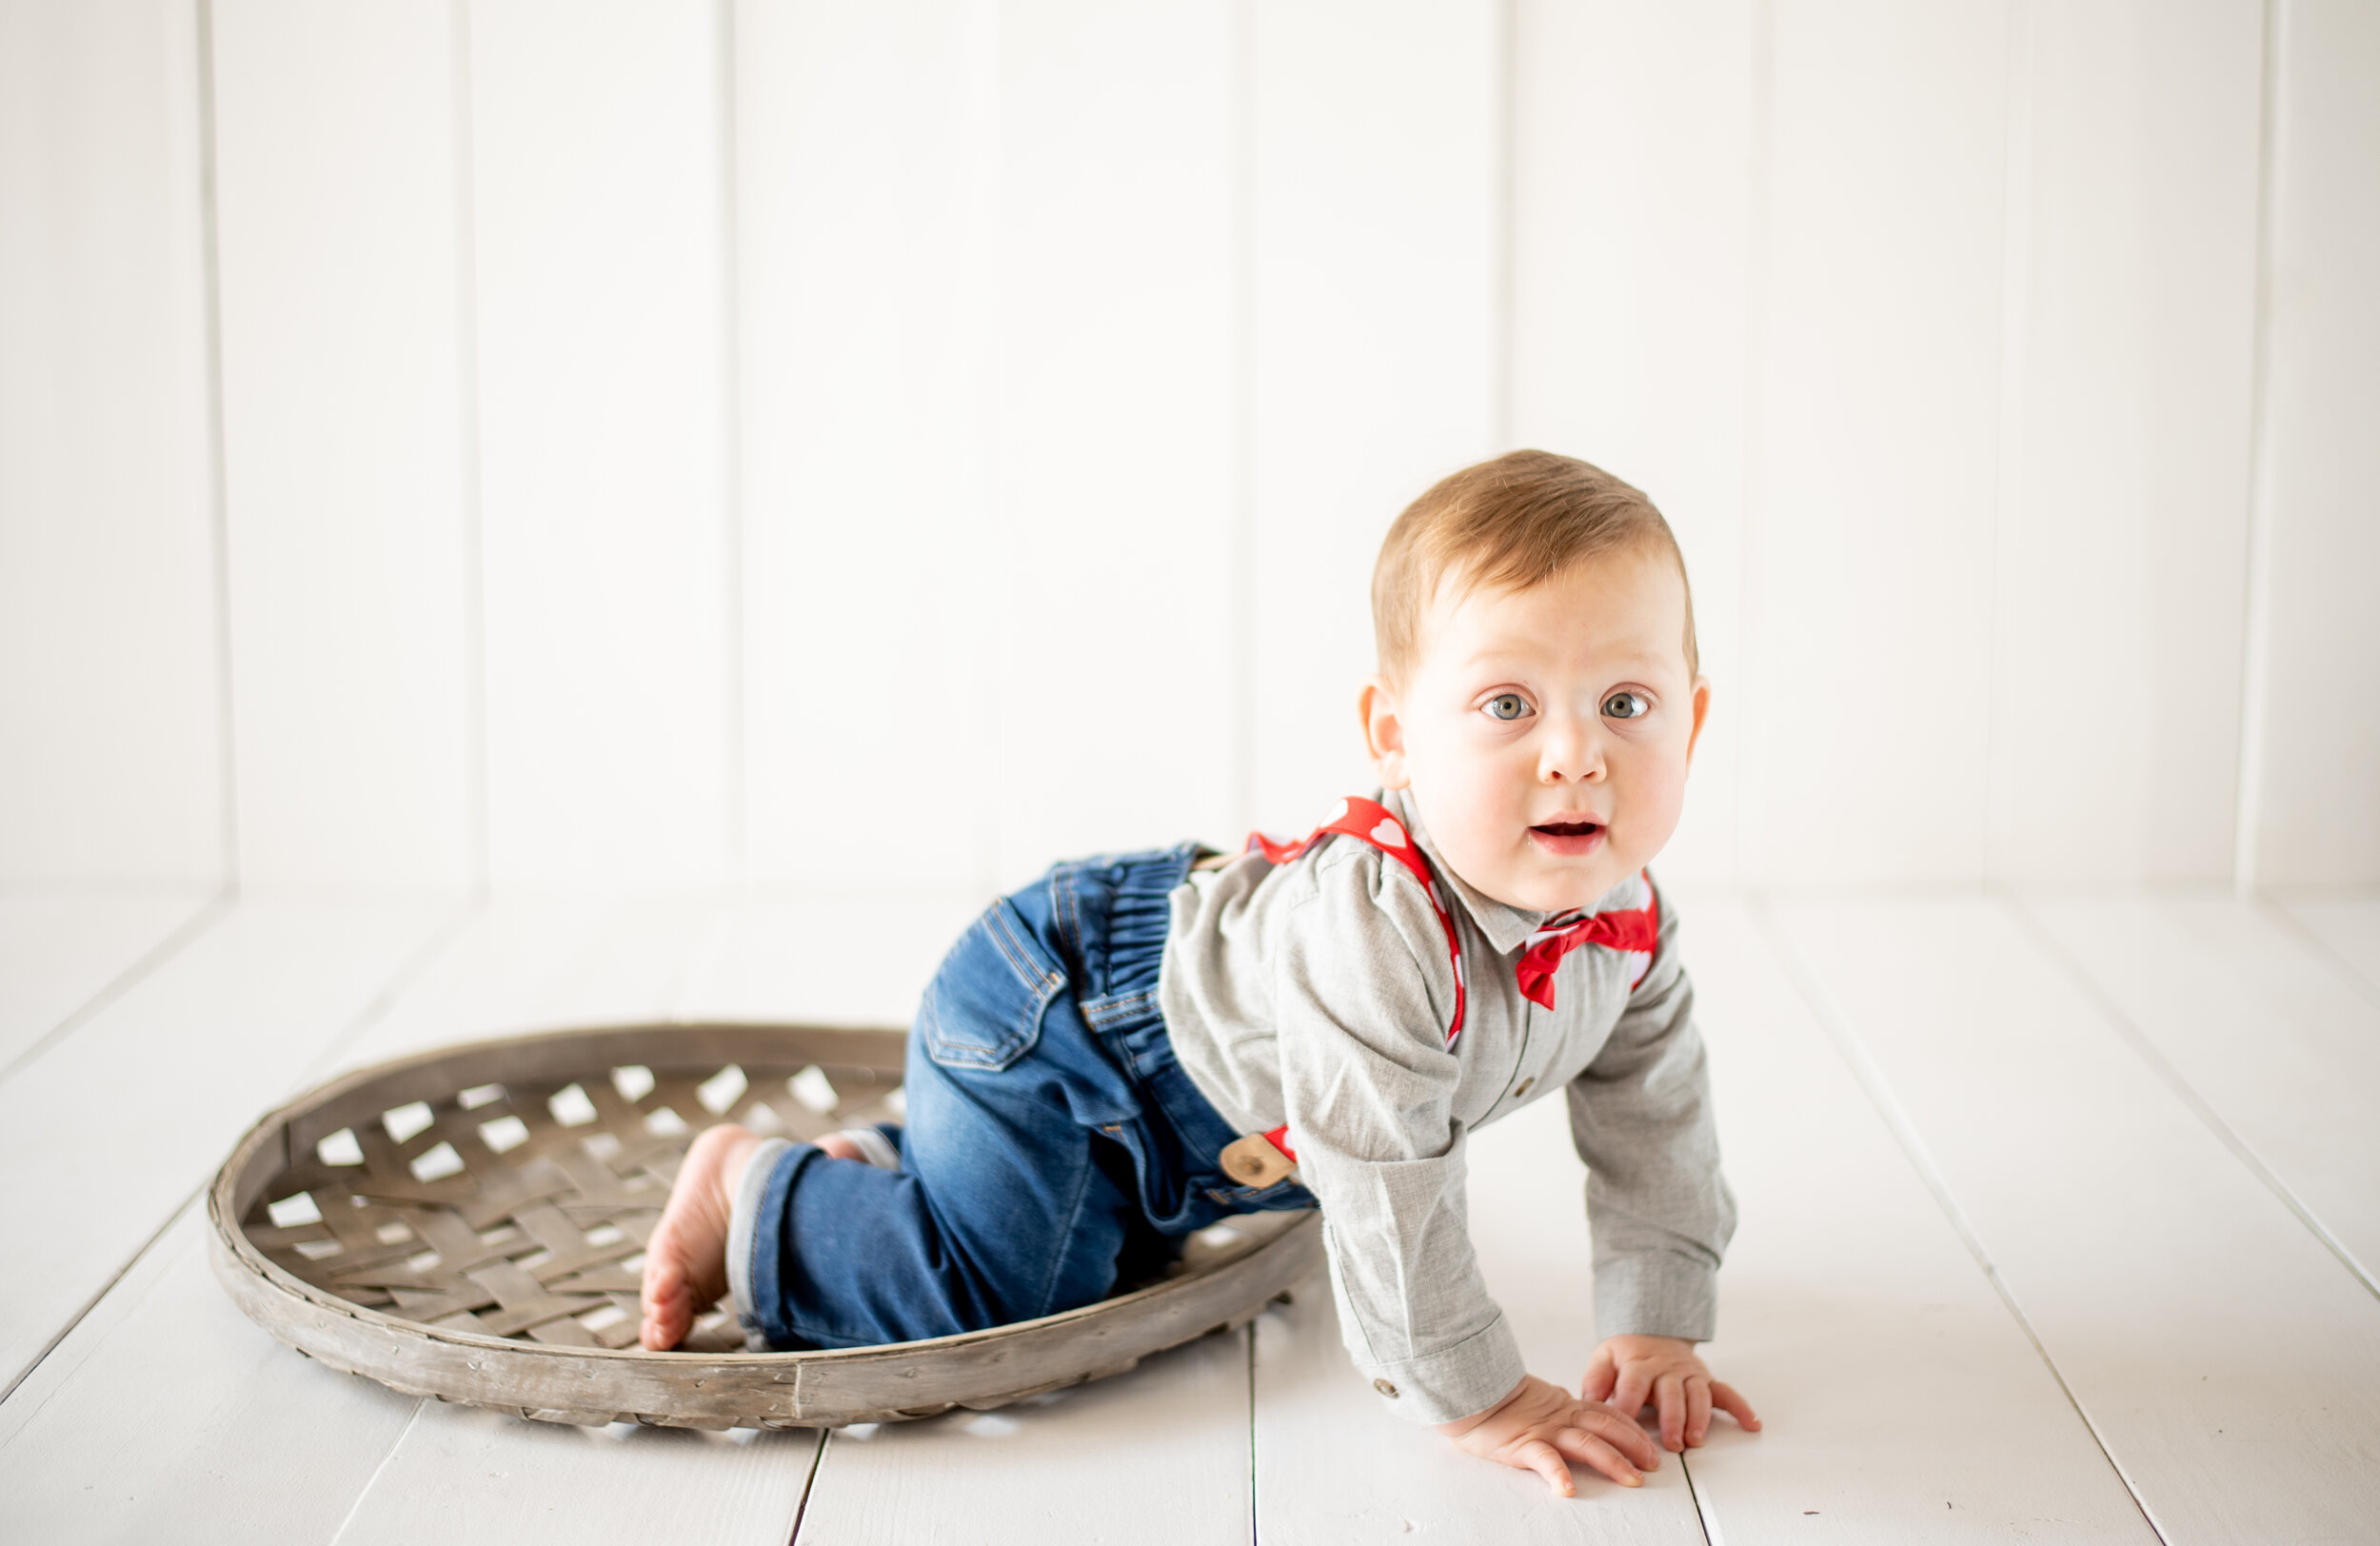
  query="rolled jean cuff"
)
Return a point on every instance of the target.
[{"x": 743, "y": 1210}]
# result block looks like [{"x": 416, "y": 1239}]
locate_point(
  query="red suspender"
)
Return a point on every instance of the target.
[{"x": 1368, "y": 820}]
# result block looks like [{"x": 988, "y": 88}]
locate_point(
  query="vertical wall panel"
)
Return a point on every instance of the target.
[
  {"x": 865, "y": 154},
  {"x": 1877, "y": 397},
  {"x": 598, "y": 136},
  {"x": 1632, "y": 202},
  {"x": 2124, "y": 509},
  {"x": 111, "y": 701},
  {"x": 343, "y": 458},
  {"x": 1112, "y": 427},
  {"x": 1377, "y": 271},
  {"x": 2317, "y": 764}
]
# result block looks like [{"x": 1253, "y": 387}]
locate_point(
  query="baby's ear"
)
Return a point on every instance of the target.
[
  {"x": 1702, "y": 711},
  {"x": 1383, "y": 732}
]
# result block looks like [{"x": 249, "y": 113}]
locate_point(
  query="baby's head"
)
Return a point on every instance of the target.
[{"x": 1538, "y": 691}]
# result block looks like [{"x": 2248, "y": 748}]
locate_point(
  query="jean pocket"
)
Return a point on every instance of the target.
[{"x": 983, "y": 1008}]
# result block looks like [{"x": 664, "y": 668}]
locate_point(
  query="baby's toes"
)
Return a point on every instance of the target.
[
  {"x": 666, "y": 1314},
  {"x": 664, "y": 1327}
]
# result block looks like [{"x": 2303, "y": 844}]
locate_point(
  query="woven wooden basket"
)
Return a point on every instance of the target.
[{"x": 465, "y": 1223}]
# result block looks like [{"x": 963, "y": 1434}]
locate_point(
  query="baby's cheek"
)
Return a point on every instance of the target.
[{"x": 1656, "y": 800}]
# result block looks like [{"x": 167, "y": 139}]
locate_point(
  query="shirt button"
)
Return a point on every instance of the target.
[
  {"x": 1385, "y": 1388},
  {"x": 1522, "y": 1088}
]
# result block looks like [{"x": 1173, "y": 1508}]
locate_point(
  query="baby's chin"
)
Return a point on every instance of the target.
[{"x": 1539, "y": 884}]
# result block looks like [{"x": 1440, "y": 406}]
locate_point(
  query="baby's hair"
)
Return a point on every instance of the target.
[{"x": 1510, "y": 523}]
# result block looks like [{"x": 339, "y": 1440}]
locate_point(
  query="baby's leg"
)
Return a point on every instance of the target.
[{"x": 685, "y": 1261}]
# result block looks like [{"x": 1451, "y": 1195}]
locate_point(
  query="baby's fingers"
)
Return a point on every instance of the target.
[
  {"x": 1669, "y": 1395},
  {"x": 1725, "y": 1398},
  {"x": 1632, "y": 1390},
  {"x": 1698, "y": 1410},
  {"x": 1587, "y": 1448},
  {"x": 1622, "y": 1434},
  {"x": 1603, "y": 1373},
  {"x": 1538, "y": 1455}
]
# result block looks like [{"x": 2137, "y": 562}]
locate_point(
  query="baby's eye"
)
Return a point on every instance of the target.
[
  {"x": 1506, "y": 706},
  {"x": 1627, "y": 705}
]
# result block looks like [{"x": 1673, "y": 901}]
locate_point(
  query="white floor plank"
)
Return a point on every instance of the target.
[
  {"x": 1157, "y": 1454},
  {"x": 105, "y": 1135},
  {"x": 538, "y": 962},
  {"x": 2348, "y": 925},
  {"x": 1900, "y": 1401},
  {"x": 59, "y": 950},
  {"x": 462, "y": 1477},
  {"x": 849, "y": 960},
  {"x": 2282, "y": 1050},
  {"x": 166, "y": 1416},
  {"x": 2223, "y": 1356},
  {"x": 1331, "y": 1466}
]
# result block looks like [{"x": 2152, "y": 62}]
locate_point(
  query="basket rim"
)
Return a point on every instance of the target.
[{"x": 276, "y": 1123}]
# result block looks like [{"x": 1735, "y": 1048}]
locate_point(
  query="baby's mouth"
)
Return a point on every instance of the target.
[{"x": 1568, "y": 840}]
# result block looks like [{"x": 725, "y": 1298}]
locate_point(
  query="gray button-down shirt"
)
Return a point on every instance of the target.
[{"x": 1317, "y": 993}]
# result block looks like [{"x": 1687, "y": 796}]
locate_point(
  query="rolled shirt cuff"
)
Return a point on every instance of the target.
[
  {"x": 743, "y": 1208},
  {"x": 1655, "y": 1296},
  {"x": 1453, "y": 1382}
]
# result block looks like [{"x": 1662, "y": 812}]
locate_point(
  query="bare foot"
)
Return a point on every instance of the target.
[
  {"x": 835, "y": 1146},
  {"x": 685, "y": 1261}
]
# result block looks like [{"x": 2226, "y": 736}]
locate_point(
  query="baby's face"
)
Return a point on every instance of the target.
[{"x": 1545, "y": 733}]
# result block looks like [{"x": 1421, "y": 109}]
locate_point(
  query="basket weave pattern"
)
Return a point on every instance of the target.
[
  {"x": 538, "y": 1196},
  {"x": 467, "y": 1224}
]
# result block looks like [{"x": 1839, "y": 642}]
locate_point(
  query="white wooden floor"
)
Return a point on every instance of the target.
[{"x": 2061, "y": 1221}]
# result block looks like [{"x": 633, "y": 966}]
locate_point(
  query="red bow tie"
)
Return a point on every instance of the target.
[{"x": 1633, "y": 932}]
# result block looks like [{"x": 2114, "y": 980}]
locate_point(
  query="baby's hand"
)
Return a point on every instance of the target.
[
  {"x": 1631, "y": 1371},
  {"x": 1535, "y": 1427}
]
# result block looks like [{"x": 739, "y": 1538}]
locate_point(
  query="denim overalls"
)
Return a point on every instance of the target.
[{"x": 1054, "y": 1148}]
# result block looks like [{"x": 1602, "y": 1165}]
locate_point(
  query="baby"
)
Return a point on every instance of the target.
[{"x": 1134, "y": 1048}]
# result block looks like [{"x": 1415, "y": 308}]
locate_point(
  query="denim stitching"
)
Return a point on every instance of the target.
[
  {"x": 1074, "y": 1217},
  {"x": 1107, "y": 1012},
  {"x": 1019, "y": 959},
  {"x": 1043, "y": 986}
]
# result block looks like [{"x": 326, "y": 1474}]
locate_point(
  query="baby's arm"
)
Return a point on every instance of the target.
[
  {"x": 1641, "y": 1114},
  {"x": 1541, "y": 1427}
]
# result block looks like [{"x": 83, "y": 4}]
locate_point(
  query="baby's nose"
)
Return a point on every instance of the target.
[{"x": 1571, "y": 755}]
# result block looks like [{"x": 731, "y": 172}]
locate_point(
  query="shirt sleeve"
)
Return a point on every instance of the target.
[
  {"x": 1363, "y": 994},
  {"x": 1659, "y": 1209}
]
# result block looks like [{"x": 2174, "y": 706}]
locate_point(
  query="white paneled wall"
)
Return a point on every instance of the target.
[
  {"x": 1876, "y": 350},
  {"x": 352, "y": 537},
  {"x": 599, "y": 206},
  {"x": 111, "y": 712},
  {"x": 866, "y": 159},
  {"x": 897, "y": 445},
  {"x": 2314, "y": 748},
  {"x": 2125, "y": 442}
]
